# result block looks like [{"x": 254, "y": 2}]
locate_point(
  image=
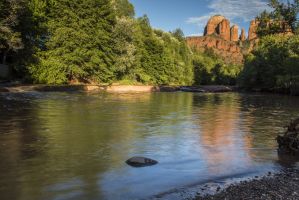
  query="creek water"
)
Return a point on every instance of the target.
[{"x": 74, "y": 146}]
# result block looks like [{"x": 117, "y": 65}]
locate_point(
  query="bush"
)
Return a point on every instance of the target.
[{"x": 273, "y": 64}]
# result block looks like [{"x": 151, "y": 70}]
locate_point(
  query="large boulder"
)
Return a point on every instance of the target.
[
  {"x": 212, "y": 24},
  {"x": 141, "y": 162},
  {"x": 234, "y": 33}
]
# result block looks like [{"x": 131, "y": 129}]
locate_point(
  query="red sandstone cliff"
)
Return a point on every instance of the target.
[
  {"x": 223, "y": 39},
  {"x": 229, "y": 51},
  {"x": 243, "y": 36},
  {"x": 234, "y": 33}
]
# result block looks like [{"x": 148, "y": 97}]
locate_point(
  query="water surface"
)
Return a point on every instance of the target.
[{"x": 74, "y": 146}]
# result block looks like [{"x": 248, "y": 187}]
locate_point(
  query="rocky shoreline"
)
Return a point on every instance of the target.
[
  {"x": 281, "y": 186},
  {"x": 112, "y": 88}
]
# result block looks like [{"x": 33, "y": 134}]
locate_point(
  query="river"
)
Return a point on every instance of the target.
[{"x": 74, "y": 145}]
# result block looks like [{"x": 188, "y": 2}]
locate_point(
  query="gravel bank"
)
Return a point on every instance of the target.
[{"x": 282, "y": 186}]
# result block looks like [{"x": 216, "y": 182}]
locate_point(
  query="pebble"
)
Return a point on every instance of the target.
[{"x": 273, "y": 187}]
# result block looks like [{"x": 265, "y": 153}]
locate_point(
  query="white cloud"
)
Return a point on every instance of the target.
[{"x": 235, "y": 10}]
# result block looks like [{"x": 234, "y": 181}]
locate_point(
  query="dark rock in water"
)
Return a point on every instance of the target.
[
  {"x": 3, "y": 89},
  {"x": 191, "y": 89},
  {"x": 141, "y": 162}
]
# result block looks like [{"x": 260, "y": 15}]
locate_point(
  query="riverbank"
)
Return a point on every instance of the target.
[
  {"x": 112, "y": 88},
  {"x": 282, "y": 186}
]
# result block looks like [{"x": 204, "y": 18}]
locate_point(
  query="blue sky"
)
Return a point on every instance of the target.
[{"x": 192, "y": 15}]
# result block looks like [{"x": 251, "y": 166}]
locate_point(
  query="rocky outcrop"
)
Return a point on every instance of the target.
[
  {"x": 234, "y": 33},
  {"x": 213, "y": 24},
  {"x": 224, "y": 29},
  {"x": 243, "y": 36},
  {"x": 229, "y": 51},
  {"x": 225, "y": 41},
  {"x": 218, "y": 25},
  {"x": 252, "y": 33}
]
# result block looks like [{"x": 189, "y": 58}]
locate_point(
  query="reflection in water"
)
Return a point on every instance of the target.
[
  {"x": 219, "y": 134},
  {"x": 63, "y": 146}
]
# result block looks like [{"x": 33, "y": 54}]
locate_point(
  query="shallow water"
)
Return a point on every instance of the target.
[{"x": 74, "y": 146}]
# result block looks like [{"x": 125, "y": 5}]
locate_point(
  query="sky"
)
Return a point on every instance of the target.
[{"x": 192, "y": 15}]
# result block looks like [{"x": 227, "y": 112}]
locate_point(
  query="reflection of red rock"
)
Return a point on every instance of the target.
[{"x": 219, "y": 138}]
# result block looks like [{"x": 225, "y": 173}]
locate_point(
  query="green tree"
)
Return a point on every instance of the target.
[
  {"x": 79, "y": 43},
  {"x": 284, "y": 16},
  {"x": 123, "y": 8},
  {"x": 10, "y": 39},
  {"x": 273, "y": 64},
  {"x": 124, "y": 33}
]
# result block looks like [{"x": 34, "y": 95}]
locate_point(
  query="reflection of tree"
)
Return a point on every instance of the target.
[
  {"x": 17, "y": 137},
  {"x": 81, "y": 137}
]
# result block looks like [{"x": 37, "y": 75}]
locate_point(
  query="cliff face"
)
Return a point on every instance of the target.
[
  {"x": 222, "y": 38},
  {"x": 254, "y": 24},
  {"x": 229, "y": 51},
  {"x": 213, "y": 24},
  {"x": 225, "y": 40},
  {"x": 253, "y": 29},
  {"x": 234, "y": 33},
  {"x": 224, "y": 29},
  {"x": 243, "y": 36}
]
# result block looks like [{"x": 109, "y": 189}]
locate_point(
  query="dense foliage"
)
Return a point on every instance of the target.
[
  {"x": 284, "y": 17},
  {"x": 210, "y": 70},
  {"x": 274, "y": 63},
  {"x": 92, "y": 41},
  {"x": 10, "y": 38}
]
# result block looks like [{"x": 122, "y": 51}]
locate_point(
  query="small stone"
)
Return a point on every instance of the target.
[{"x": 141, "y": 162}]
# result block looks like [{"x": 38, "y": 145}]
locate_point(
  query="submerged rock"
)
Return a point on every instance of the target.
[{"x": 141, "y": 162}]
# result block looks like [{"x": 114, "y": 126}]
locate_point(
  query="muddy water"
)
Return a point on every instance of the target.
[{"x": 73, "y": 146}]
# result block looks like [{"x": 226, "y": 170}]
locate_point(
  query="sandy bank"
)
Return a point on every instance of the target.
[{"x": 111, "y": 89}]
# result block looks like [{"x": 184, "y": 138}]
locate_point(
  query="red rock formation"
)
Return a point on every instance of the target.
[
  {"x": 224, "y": 29},
  {"x": 229, "y": 51},
  {"x": 213, "y": 24},
  {"x": 234, "y": 33},
  {"x": 252, "y": 33},
  {"x": 242, "y": 36},
  {"x": 222, "y": 39}
]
